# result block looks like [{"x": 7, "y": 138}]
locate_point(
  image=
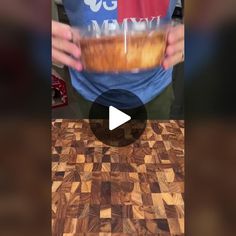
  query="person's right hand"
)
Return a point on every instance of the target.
[{"x": 63, "y": 50}]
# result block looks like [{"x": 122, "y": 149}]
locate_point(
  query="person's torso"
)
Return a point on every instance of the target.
[{"x": 145, "y": 84}]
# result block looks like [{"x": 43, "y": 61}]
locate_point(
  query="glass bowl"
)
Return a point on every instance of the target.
[{"x": 128, "y": 47}]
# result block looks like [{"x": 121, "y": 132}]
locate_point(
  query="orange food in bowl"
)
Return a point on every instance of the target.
[{"x": 123, "y": 53}]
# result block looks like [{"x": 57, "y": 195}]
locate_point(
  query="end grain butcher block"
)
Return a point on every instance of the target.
[{"x": 101, "y": 190}]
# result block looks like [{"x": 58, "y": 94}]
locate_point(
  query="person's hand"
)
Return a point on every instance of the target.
[
  {"x": 63, "y": 50},
  {"x": 175, "y": 47}
]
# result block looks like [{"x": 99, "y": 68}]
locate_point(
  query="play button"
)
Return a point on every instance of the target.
[{"x": 117, "y": 118}]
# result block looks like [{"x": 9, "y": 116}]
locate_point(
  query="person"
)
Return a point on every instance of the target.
[{"x": 153, "y": 87}]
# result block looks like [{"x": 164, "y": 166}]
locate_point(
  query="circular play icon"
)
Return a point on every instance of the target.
[{"x": 117, "y": 117}]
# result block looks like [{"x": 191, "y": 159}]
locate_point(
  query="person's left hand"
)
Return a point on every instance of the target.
[{"x": 175, "y": 47}]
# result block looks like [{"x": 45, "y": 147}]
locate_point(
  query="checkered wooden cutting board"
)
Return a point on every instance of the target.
[{"x": 102, "y": 190}]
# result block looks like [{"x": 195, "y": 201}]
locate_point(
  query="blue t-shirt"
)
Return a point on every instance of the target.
[{"x": 146, "y": 84}]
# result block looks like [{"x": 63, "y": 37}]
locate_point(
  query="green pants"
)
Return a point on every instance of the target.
[{"x": 157, "y": 109}]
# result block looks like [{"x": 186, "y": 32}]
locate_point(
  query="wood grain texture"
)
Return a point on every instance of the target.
[{"x": 134, "y": 190}]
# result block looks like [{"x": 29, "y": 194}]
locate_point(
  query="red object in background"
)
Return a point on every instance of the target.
[
  {"x": 59, "y": 91},
  {"x": 142, "y": 8}
]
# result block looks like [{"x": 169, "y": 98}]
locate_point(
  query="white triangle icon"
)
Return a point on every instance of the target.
[{"x": 117, "y": 118}]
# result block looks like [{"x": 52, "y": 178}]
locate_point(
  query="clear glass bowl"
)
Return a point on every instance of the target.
[{"x": 128, "y": 47}]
